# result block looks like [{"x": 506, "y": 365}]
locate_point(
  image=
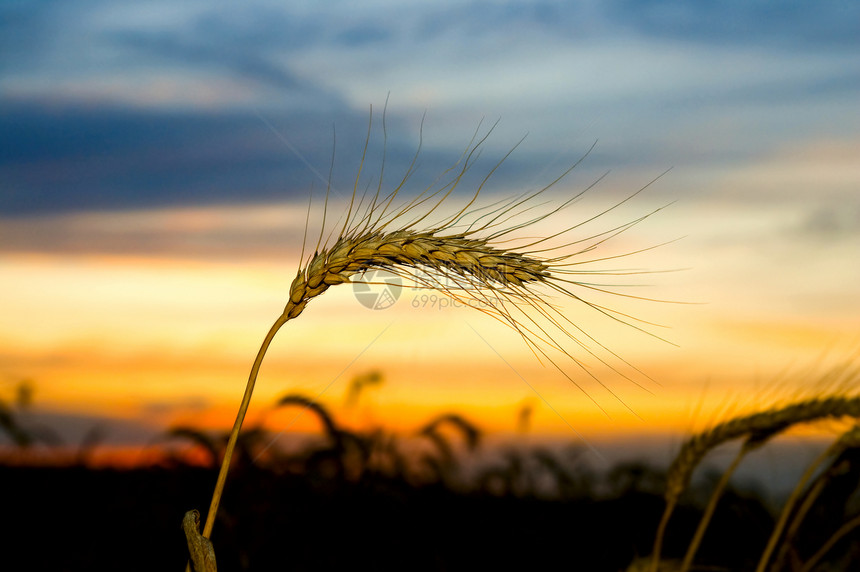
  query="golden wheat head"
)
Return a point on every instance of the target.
[
  {"x": 475, "y": 257},
  {"x": 471, "y": 255}
]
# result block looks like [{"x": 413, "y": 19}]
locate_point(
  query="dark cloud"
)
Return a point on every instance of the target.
[
  {"x": 58, "y": 158},
  {"x": 62, "y": 157}
]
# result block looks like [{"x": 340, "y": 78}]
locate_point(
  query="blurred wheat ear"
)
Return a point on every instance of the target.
[
  {"x": 756, "y": 429},
  {"x": 470, "y": 254}
]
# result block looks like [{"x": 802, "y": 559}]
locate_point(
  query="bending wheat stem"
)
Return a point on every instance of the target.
[
  {"x": 848, "y": 440},
  {"x": 833, "y": 449},
  {"x": 661, "y": 532},
  {"x": 786, "y": 510},
  {"x": 712, "y": 506},
  {"x": 237, "y": 425}
]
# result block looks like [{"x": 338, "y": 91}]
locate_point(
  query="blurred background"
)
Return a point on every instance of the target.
[
  {"x": 159, "y": 161},
  {"x": 156, "y": 162}
]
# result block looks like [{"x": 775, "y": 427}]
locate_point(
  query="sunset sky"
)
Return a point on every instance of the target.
[{"x": 156, "y": 160}]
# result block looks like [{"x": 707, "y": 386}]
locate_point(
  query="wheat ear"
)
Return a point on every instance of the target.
[
  {"x": 766, "y": 423},
  {"x": 468, "y": 255}
]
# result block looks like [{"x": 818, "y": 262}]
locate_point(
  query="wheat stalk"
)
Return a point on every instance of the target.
[
  {"x": 749, "y": 445},
  {"x": 845, "y": 441},
  {"x": 468, "y": 255},
  {"x": 758, "y": 427},
  {"x": 848, "y": 440}
]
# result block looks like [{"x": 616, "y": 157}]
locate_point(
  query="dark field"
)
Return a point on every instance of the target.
[
  {"x": 78, "y": 519},
  {"x": 439, "y": 499}
]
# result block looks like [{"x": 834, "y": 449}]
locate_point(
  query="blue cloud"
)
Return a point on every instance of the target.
[
  {"x": 72, "y": 158},
  {"x": 175, "y": 50},
  {"x": 58, "y": 158},
  {"x": 73, "y": 136},
  {"x": 363, "y": 35},
  {"x": 792, "y": 25}
]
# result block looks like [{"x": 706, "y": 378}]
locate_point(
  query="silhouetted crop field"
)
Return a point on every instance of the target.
[{"x": 380, "y": 501}]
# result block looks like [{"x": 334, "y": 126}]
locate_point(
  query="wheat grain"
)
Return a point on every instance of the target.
[{"x": 474, "y": 260}]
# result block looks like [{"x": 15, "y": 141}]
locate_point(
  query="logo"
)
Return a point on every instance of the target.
[{"x": 377, "y": 289}]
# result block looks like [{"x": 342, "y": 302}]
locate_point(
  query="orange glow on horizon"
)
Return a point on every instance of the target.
[{"x": 168, "y": 338}]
